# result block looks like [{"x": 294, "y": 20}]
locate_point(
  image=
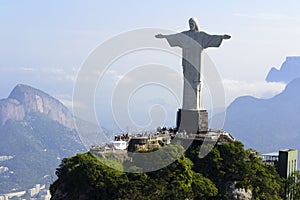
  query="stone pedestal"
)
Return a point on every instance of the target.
[{"x": 192, "y": 121}]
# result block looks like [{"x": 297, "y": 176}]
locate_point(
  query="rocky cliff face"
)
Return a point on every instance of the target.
[
  {"x": 24, "y": 100},
  {"x": 36, "y": 132},
  {"x": 11, "y": 109}
]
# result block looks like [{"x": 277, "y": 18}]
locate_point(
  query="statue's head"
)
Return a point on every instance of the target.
[{"x": 193, "y": 22}]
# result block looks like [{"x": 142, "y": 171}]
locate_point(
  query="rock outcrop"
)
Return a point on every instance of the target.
[
  {"x": 36, "y": 132},
  {"x": 11, "y": 109},
  {"x": 25, "y": 99}
]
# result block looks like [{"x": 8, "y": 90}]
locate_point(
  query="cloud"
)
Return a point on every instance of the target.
[
  {"x": 44, "y": 70},
  {"x": 267, "y": 16},
  {"x": 59, "y": 74},
  {"x": 258, "y": 89},
  {"x": 67, "y": 101},
  {"x": 86, "y": 33},
  {"x": 64, "y": 99},
  {"x": 114, "y": 75}
]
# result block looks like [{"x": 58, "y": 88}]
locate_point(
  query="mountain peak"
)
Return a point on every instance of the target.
[
  {"x": 266, "y": 124},
  {"x": 289, "y": 70},
  {"x": 30, "y": 100},
  {"x": 20, "y": 91}
]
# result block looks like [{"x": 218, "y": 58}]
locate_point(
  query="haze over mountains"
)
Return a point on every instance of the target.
[{"x": 269, "y": 124}]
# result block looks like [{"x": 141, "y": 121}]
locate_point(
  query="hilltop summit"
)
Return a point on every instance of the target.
[{"x": 24, "y": 100}]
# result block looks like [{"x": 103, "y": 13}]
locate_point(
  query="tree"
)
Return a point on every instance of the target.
[
  {"x": 229, "y": 164},
  {"x": 86, "y": 177},
  {"x": 293, "y": 184}
]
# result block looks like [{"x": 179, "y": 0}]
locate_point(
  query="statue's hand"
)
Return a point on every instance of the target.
[
  {"x": 160, "y": 36},
  {"x": 226, "y": 37}
]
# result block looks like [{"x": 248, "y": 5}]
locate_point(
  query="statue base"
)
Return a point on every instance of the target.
[{"x": 192, "y": 121}]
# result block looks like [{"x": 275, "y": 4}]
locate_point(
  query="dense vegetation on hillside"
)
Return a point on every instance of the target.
[
  {"x": 215, "y": 176},
  {"x": 35, "y": 149}
]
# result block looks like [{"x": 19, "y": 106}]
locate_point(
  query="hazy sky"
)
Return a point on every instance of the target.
[{"x": 44, "y": 43}]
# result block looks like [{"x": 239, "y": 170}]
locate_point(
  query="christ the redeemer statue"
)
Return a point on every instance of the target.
[{"x": 193, "y": 42}]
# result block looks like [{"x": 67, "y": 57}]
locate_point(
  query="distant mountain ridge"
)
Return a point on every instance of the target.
[
  {"x": 288, "y": 71},
  {"x": 36, "y": 132},
  {"x": 25, "y": 99},
  {"x": 267, "y": 124}
]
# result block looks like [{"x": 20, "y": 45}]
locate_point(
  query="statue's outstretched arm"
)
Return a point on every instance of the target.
[
  {"x": 226, "y": 37},
  {"x": 160, "y": 36},
  {"x": 174, "y": 40}
]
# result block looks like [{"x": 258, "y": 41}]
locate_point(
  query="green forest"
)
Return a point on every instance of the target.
[{"x": 227, "y": 166}]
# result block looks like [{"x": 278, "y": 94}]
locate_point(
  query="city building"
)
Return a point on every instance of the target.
[{"x": 285, "y": 162}]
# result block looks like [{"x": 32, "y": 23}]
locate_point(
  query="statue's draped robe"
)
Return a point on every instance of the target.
[{"x": 192, "y": 44}]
